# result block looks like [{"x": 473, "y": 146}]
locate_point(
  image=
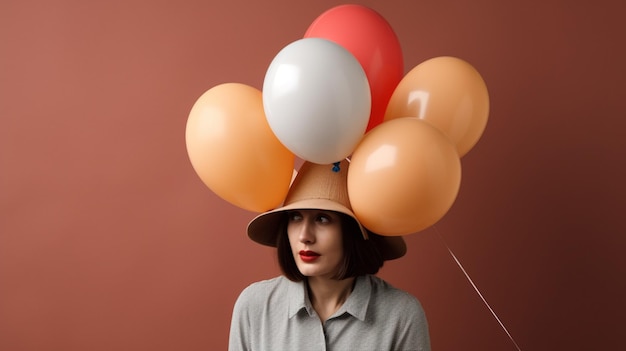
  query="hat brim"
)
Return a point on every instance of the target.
[{"x": 263, "y": 229}]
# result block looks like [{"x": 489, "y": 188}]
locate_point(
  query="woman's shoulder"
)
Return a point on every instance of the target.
[
  {"x": 391, "y": 296},
  {"x": 380, "y": 284},
  {"x": 260, "y": 297},
  {"x": 262, "y": 290},
  {"x": 267, "y": 283}
]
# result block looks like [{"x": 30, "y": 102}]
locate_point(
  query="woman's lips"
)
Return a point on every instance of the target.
[{"x": 308, "y": 256}]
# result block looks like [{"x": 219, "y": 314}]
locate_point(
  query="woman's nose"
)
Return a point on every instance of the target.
[{"x": 306, "y": 234}]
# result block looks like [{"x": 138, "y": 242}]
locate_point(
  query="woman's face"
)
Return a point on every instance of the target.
[{"x": 316, "y": 241}]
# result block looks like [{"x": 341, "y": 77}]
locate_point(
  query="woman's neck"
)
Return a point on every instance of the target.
[{"x": 327, "y": 295}]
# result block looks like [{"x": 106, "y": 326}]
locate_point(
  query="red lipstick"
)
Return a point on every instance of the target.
[{"x": 308, "y": 256}]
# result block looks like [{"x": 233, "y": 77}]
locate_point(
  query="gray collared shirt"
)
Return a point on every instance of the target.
[{"x": 277, "y": 315}]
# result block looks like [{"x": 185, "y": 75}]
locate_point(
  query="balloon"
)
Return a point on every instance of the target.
[
  {"x": 233, "y": 150},
  {"x": 317, "y": 100},
  {"x": 448, "y": 93},
  {"x": 404, "y": 176},
  {"x": 370, "y": 38}
]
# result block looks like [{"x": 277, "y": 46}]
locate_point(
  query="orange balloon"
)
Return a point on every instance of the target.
[
  {"x": 233, "y": 150},
  {"x": 448, "y": 93},
  {"x": 404, "y": 176}
]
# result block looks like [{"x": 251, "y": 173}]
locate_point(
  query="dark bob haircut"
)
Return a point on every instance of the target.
[{"x": 360, "y": 256}]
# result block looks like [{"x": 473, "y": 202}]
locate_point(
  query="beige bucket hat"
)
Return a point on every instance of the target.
[{"x": 320, "y": 187}]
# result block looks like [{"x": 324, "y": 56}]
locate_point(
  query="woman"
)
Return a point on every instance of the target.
[{"x": 328, "y": 297}]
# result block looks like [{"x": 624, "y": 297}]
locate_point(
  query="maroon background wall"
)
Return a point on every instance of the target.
[{"x": 109, "y": 240}]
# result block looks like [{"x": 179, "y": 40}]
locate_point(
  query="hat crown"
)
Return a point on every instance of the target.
[{"x": 316, "y": 181}]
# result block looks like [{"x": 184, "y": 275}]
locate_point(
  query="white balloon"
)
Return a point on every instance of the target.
[{"x": 317, "y": 100}]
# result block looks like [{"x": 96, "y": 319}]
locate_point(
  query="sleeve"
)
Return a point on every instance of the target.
[{"x": 239, "y": 338}]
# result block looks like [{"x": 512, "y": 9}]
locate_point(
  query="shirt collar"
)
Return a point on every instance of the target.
[
  {"x": 356, "y": 304},
  {"x": 298, "y": 298}
]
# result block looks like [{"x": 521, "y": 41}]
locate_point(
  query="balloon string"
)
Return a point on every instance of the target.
[{"x": 477, "y": 291}]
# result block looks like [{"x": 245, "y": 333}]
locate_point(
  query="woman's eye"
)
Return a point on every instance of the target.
[
  {"x": 323, "y": 219},
  {"x": 295, "y": 216}
]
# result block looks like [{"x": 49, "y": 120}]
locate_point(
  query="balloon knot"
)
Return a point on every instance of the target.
[{"x": 336, "y": 167}]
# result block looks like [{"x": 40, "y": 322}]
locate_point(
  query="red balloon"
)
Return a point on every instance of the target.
[{"x": 370, "y": 38}]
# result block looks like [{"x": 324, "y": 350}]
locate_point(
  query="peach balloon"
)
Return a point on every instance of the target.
[
  {"x": 448, "y": 93},
  {"x": 404, "y": 176},
  {"x": 233, "y": 150}
]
